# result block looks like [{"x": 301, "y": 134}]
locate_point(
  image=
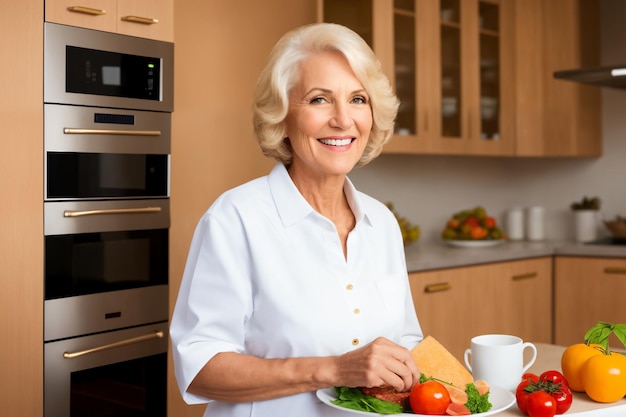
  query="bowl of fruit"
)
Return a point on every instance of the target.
[
  {"x": 472, "y": 228},
  {"x": 410, "y": 231}
]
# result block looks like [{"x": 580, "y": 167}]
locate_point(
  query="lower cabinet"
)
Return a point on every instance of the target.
[
  {"x": 587, "y": 290},
  {"x": 454, "y": 305}
]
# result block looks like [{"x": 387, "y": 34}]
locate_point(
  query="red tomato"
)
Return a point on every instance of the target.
[
  {"x": 541, "y": 404},
  {"x": 553, "y": 376},
  {"x": 563, "y": 397},
  {"x": 521, "y": 395},
  {"x": 430, "y": 397}
]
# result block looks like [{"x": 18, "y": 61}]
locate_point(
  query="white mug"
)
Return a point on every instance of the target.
[{"x": 499, "y": 359}]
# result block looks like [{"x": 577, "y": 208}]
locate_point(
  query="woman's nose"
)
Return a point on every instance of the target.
[{"x": 341, "y": 117}]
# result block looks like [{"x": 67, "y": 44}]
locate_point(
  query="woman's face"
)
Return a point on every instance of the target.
[{"x": 329, "y": 118}]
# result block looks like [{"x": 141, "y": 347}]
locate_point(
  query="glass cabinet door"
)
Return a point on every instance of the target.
[
  {"x": 489, "y": 29},
  {"x": 404, "y": 65},
  {"x": 450, "y": 33}
]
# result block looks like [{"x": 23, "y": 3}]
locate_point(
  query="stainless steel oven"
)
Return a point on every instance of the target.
[{"x": 107, "y": 143}]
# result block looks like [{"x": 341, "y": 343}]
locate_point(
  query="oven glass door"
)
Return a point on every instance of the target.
[
  {"x": 122, "y": 373},
  {"x": 77, "y": 175},
  {"x": 134, "y": 388},
  {"x": 90, "y": 263}
]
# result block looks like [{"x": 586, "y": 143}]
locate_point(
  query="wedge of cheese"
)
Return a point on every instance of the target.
[{"x": 434, "y": 360}]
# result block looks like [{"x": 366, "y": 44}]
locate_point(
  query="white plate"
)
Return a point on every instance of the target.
[
  {"x": 474, "y": 243},
  {"x": 500, "y": 399}
]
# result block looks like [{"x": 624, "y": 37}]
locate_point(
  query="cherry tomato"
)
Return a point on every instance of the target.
[
  {"x": 563, "y": 397},
  {"x": 541, "y": 404},
  {"x": 531, "y": 376},
  {"x": 430, "y": 397},
  {"x": 604, "y": 377},
  {"x": 572, "y": 361},
  {"x": 553, "y": 376}
]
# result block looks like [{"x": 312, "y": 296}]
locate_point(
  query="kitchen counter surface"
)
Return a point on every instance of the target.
[
  {"x": 549, "y": 357},
  {"x": 424, "y": 256}
]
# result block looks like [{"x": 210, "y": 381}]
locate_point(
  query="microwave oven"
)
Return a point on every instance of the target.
[{"x": 107, "y": 69}]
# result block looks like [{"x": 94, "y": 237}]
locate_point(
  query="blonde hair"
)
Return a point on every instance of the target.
[{"x": 281, "y": 73}]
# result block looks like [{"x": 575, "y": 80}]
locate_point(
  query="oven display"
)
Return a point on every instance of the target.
[{"x": 90, "y": 71}]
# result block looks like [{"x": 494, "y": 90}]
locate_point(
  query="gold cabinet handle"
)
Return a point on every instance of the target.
[
  {"x": 79, "y": 131},
  {"x": 442, "y": 286},
  {"x": 86, "y": 10},
  {"x": 83, "y": 213},
  {"x": 156, "y": 335},
  {"x": 524, "y": 276},
  {"x": 139, "y": 19},
  {"x": 614, "y": 270}
]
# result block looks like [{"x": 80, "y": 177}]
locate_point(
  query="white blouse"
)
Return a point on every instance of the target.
[{"x": 266, "y": 276}]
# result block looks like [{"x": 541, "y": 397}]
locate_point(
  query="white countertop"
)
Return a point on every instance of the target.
[
  {"x": 423, "y": 256},
  {"x": 549, "y": 357}
]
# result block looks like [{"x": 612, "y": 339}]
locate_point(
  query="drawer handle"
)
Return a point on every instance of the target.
[
  {"x": 443, "y": 286},
  {"x": 69, "y": 213},
  {"x": 524, "y": 276},
  {"x": 78, "y": 131},
  {"x": 139, "y": 19},
  {"x": 614, "y": 270},
  {"x": 156, "y": 335},
  {"x": 86, "y": 10}
]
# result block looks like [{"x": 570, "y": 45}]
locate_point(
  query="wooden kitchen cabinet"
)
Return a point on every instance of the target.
[
  {"x": 451, "y": 63},
  {"x": 586, "y": 291},
  {"x": 556, "y": 118},
  {"x": 474, "y": 77},
  {"x": 453, "y": 305},
  {"x": 152, "y": 19}
]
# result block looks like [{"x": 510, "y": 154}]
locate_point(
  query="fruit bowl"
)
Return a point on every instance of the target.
[
  {"x": 617, "y": 227},
  {"x": 472, "y": 228}
]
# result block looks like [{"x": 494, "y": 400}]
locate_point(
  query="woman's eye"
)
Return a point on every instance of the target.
[
  {"x": 318, "y": 100},
  {"x": 359, "y": 100}
]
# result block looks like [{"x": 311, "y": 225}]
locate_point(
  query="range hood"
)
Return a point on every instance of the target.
[{"x": 613, "y": 76}]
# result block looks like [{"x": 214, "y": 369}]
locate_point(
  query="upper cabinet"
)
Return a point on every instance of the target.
[
  {"x": 474, "y": 77},
  {"x": 152, "y": 19}
]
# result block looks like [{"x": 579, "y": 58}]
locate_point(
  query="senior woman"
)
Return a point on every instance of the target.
[{"x": 296, "y": 281}]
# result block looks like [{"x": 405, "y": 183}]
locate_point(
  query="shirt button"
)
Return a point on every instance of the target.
[
  {"x": 349, "y": 287},
  {"x": 355, "y": 342},
  {"x": 356, "y": 311}
]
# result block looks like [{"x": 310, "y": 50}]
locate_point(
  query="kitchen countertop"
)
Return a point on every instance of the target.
[
  {"x": 423, "y": 256},
  {"x": 549, "y": 357}
]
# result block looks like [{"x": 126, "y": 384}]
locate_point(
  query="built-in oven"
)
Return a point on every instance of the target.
[{"x": 107, "y": 148}]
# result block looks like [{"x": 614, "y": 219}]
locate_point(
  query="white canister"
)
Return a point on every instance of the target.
[
  {"x": 586, "y": 225},
  {"x": 535, "y": 229},
  {"x": 514, "y": 225}
]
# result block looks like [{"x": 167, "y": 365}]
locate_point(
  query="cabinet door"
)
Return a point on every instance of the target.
[
  {"x": 152, "y": 19},
  {"x": 90, "y": 14},
  {"x": 454, "y": 305},
  {"x": 587, "y": 290}
]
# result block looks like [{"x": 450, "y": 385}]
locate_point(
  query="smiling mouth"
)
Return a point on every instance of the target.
[{"x": 336, "y": 142}]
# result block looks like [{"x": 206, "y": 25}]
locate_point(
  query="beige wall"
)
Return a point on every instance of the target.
[{"x": 220, "y": 47}]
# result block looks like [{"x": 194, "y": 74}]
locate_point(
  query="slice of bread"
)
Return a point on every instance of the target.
[{"x": 434, "y": 360}]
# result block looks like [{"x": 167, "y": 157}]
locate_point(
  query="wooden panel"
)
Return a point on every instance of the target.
[{"x": 21, "y": 209}]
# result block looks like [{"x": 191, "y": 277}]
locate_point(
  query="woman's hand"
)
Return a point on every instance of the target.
[{"x": 378, "y": 363}]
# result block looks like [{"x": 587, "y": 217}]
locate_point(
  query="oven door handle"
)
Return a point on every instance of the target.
[
  {"x": 156, "y": 335},
  {"x": 82, "y": 213},
  {"x": 79, "y": 131}
]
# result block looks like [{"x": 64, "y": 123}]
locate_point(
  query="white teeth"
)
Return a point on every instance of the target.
[{"x": 336, "y": 142}]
